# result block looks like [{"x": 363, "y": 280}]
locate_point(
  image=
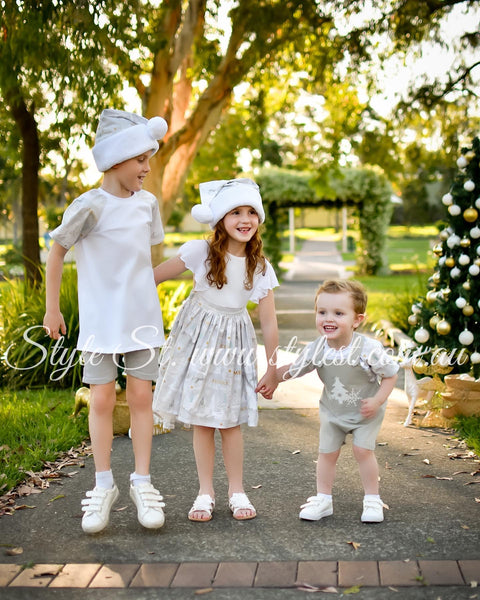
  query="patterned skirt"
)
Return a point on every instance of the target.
[{"x": 208, "y": 368}]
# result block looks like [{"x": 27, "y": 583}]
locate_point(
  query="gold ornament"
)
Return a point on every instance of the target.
[
  {"x": 477, "y": 262},
  {"x": 469, "y": 155},
  {"x": 412, "y": 320},
  {"x": 444, "y": 235},
  {"x": 450, "y": 261},
  {"x": 420, "y": 366},
  {"x": 468, "y": 310},
  {"x": 434, "y": 320},
  {"x": 470, "y": 214},
  {"x": 431, "y": 296},
  {"x": 466, "y": 285},
  {"x": 446, "y": 292},
  {"x": 436, "y": 277},
  {"x": 437, "y": 249},
  {"x": 465, "y": 242},
  {"x": 443, "y": 327}
]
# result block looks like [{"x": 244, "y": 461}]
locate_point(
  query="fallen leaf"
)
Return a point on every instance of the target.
[
  {"x": 474, "y": 584},
  {"x": 14, "y": 551},
  {"x": 24, "y": 506},
  {"x": 465, "y": 527},
  {"x": 306, "y": 587},
  {"x": 120, "y": 509},
  {"x": 471, "y": 482},
  {"x": 256, "y": 487},
  {"x": 296, "y": 452},
  {"x": 203, "y": 591},
  {"x": 382, "y": 444},
  {"x": 355, "y": 545},
  {"x": 390, "y": 587},
  {"x": 426, "y": 461},
  {"x": 57, "y": 497},
  {"x": 477, "y": 500},
  {"x": 431, "y": 540},
  {"x": 352, "y": 590}
]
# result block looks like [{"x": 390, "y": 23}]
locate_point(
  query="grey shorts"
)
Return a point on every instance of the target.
[
  {"x": 333, "y": 434},
  {"x": 103, "y": 368}
]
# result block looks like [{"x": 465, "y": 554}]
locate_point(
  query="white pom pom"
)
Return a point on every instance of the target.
[
  {"x": 157, "y": 127},
  {"x": 202, "y": 213}
]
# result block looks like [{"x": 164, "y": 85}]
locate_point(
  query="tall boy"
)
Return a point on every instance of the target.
[{"x": 112, "y": 229}]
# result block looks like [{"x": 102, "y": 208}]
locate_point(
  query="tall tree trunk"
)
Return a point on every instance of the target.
[{"x": 27, "y": 126}]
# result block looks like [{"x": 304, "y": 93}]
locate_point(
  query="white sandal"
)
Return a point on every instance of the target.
[
  {"x": 239, "y": 501},
  {"x": 203, "y": 503}
]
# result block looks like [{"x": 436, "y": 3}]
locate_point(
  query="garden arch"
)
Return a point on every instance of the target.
[{"x": 366, "y": 190}]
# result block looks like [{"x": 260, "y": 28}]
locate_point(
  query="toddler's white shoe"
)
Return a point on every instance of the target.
[
  {"x": 97, "y": 507},
  {"x": 316, "y": 508},
  {"x": 372, "y": 510},
  {"x": 149, "y": 505}
]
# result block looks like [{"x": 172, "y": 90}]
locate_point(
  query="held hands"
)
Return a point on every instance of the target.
[
  {"x": 369, "y": 407},
  {"x": 267, "y": 384},
  {"x": 54, "y": 325}
]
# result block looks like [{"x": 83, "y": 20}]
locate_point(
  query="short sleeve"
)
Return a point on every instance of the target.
[
  {"x": 378, "y": 359},
  {"x": 309, "y": 359},
  {"x": 263, "y": 283},
  {"x": 194, "y": 254},
  {"x": 79, "y": 219},
  {"x": 157, "y": 234}
]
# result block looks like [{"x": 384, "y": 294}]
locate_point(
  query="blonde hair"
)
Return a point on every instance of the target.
[
  {"x": 255, "y": 261},
  {"x": 345, "y": 286}
]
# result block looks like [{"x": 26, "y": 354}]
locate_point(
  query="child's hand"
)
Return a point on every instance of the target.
[
  {"x": 267, "y": 385},
  {"x": 369, "y": 407},
  {"x": 54, "y": 325}
]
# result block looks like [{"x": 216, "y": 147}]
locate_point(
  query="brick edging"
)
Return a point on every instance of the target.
[{"x": 273, "y": 574}]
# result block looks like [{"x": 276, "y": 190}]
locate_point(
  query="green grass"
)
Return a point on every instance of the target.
[{"x": 36, "y": 427}]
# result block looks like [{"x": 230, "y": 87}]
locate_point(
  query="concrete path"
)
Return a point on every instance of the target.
[{"x": 427, "y": 547}]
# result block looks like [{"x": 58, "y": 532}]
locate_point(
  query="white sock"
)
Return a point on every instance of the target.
[
  {"x": 327, "y": 496},
  {"x": 136, "y": 479},
  {"x": 372, "y": 497},
  {"x": 104, "y": 479}
]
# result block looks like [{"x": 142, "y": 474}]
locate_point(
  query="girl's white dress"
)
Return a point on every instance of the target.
[{"x": 208, "y": 370}]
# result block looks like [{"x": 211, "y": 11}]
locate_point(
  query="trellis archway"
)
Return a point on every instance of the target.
[{"x": 366, "y": 190}]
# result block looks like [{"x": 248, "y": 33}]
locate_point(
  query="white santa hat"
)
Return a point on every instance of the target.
[
  {"x": 220, "y": 197},
  {"x": 123, "y": 135}
]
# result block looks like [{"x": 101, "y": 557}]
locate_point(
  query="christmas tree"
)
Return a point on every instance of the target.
[{"x": 445, "y": 323}]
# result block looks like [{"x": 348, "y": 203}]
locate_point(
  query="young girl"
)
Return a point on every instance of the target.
[{"x": 208, "y": 371}]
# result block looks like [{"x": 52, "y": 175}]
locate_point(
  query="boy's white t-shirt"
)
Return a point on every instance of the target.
[{"x": 118, "y": 302}]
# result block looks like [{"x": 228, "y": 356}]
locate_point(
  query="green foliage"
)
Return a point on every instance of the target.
[
  {"x": 31, "y": 359},
  {"x": 468, "y": 428},
  {"x": 36, "y": 427}
]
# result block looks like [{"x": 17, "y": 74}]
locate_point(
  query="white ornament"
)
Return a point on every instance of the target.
[
  {"x": 416, "y": 309},
  {"x": 454, "y": 210},
  {"x": 453, "y": 240},
  {"x": 464, "y": 259},
  {"x": 469, "y": 186},
  {"x": 447, "y": 199},
  {"x": 474, "y": 270},
  {"x": 475, "y": 232},
  {"x": 462, "y": 162},
  {"x": 475, "y": 358},
  {"x": 441, "y": 261},
  {"x": 477, "y": 202},
  {"x": 478, "y": 250},
  {"x": 421, "y": 335},
  {"x": 460, "y": 302},
  {"x": 455, "y": 273},
  {"x": 466, "y": 337}
]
